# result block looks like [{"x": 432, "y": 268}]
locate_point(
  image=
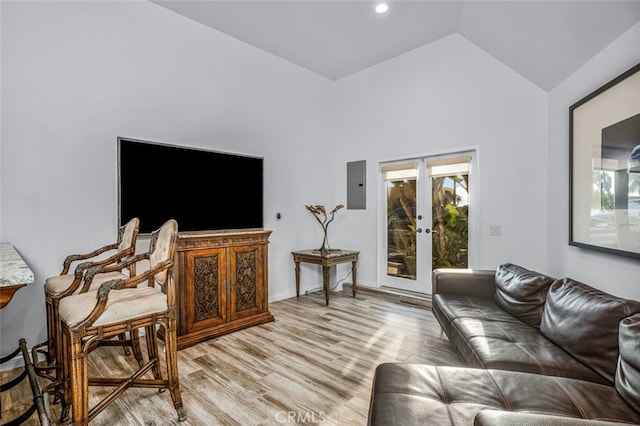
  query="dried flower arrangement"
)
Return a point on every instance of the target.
[{"x": 324, "y": 220}]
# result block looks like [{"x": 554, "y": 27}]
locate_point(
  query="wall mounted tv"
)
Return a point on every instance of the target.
[{"x": 203, "y": 190}]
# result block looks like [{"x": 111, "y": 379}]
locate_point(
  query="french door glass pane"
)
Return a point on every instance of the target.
[
  {"x": 401, "y": 226},
  {"x": 450, "y": 227}
]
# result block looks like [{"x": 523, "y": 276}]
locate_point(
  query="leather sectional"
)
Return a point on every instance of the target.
[{"x": 541, "y": 351}]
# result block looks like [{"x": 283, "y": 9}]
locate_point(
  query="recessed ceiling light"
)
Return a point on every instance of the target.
[{"x": 382, "y": 8}]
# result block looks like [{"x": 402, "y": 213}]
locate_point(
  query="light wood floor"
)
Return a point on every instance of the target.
[{"x": 313, "y": 365}]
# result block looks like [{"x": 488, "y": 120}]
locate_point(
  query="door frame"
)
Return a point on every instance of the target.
[{"x": 424, "y": 283}]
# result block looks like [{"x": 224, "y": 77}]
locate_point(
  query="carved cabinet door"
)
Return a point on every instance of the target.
[
  {"x": 205, "y": 288},
  {"x": 247, "y": 273}
]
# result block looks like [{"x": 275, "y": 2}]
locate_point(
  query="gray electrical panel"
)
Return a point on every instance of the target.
[{"x": 356, "y": 185}]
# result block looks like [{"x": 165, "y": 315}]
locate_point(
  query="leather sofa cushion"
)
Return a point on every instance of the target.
[
  {"x": 466, "y": 282},
  {"x": 628, "y": 371},
  {"x": 584, "y": 322},
  {"x": 508, "y": 418},
  {"x": 418, "y": 394},
  {"x": 521, "y": 292},
  {"x": 485, "y": 336},
  {"x": 473, "y": 308}
]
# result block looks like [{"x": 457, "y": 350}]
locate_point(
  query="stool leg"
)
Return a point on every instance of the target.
[
  {"x": 50, "y": 329},
  {"x": 171, "y": 355},
  {"x": 152, "y": 351},
  {"x": 123, "y": 338},
  {"x": 135, "y": 346},
  {"x": 79, "y": 381},
  {"x": 65, "y": 384},
  {"x": 57, "y": 337}
]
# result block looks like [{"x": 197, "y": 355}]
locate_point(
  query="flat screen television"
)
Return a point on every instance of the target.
[{"x": 202, "y": 190}]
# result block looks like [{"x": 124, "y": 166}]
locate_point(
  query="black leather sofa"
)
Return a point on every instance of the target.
[{"x": 541, "y": 351}]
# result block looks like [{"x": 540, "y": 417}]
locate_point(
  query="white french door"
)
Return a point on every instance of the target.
[{"x": 425, "y": 218}]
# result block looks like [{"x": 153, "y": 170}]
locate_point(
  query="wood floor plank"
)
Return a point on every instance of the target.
[{"x": 313, "y": 364}]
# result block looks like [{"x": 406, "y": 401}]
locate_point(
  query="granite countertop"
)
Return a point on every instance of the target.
[{"x": 13, "y": 270}]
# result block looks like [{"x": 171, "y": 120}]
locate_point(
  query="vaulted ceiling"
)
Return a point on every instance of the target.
[{"x": 545, "y": 41}]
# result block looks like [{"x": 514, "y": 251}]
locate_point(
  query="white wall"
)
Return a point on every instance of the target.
[
  {"x": 76, "y": 75},
  {"x": 1, "y": 32},
  {"x": 614, "y": 274},
  {"x": 445, "y": 96}
]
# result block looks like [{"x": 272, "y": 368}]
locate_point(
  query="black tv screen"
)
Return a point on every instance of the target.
[{"x": 202, "y": 190}]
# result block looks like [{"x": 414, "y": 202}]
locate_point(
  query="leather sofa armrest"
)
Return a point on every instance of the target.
[
  {"x": 510, "y": 418},
  {"x": 468, "y": 282}
]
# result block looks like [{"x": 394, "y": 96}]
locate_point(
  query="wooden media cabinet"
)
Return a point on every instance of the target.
[{"x": 221, "y": 283}]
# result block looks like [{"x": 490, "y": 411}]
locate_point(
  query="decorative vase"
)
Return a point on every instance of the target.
[{"x": 324, "y": 249}]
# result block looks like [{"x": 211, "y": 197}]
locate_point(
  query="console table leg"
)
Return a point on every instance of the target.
[
  {"x": 325, "y": 283},
  {"x": 353, "y": 275},
  {"x": 297, "y": 279}
]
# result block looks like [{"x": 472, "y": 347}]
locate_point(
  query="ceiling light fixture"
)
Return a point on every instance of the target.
[{"x": 382, "y": 7}]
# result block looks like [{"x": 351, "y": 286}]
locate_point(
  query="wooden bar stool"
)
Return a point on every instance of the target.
[
  {"x": 120, "y": 306},
  {"x": 70, "y": 281}
]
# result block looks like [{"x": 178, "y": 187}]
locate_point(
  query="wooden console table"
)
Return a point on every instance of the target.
[
  {"x": 327, "y": 260},
  {"x": 14, "y": 273}
]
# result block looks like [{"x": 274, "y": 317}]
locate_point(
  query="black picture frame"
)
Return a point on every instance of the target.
[{"x": 604, "y": 168}]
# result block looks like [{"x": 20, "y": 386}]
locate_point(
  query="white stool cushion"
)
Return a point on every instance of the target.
[
  {"x": 122, "y": 305},
  {"x": 59, "y": 283},
  {"x": 127, "y": 235},
  {"x": 162, "y": 248}
]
